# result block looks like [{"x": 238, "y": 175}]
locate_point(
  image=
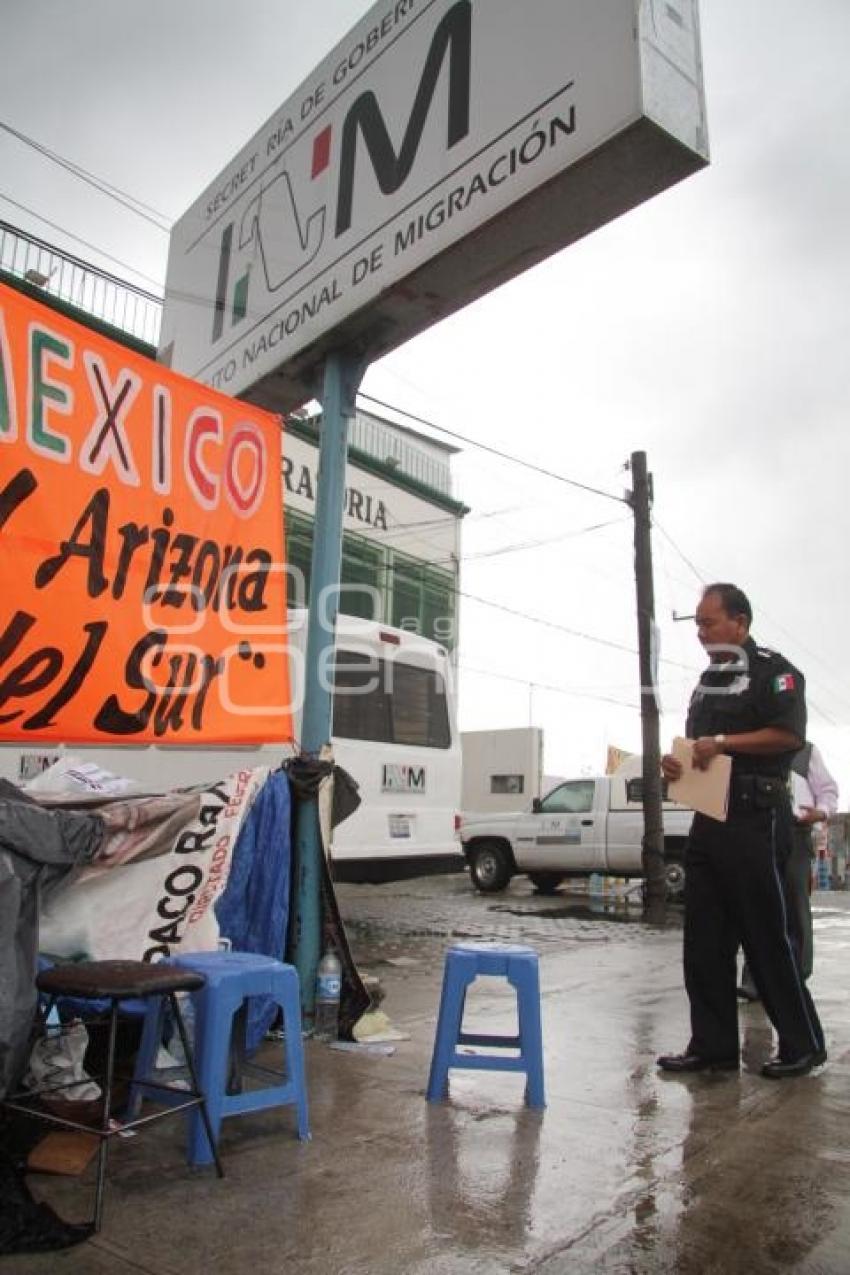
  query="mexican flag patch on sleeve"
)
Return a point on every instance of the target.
[{"x": 784, "y": 682}]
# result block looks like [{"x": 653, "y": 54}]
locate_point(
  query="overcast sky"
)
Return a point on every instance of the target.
[{"x": 708, "y": 327}]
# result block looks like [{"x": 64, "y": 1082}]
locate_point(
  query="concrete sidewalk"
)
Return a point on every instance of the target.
[{"x": 626, "y": 1170}]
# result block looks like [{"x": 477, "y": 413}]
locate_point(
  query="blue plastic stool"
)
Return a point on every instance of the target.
[
  {"x": 464, "y": 962},
  {"x": 231, "y": 977}
]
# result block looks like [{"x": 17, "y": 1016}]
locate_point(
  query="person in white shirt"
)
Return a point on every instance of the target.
[{"x": 814, "y": 797}]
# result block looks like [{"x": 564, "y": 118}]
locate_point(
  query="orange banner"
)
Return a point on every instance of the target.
[{"x": 141, "y": 547}]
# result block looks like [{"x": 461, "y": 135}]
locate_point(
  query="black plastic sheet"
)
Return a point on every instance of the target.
[{"x": 38, "y": 848}]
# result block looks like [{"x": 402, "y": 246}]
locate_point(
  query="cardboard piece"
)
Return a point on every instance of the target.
[{"x": 63, "y": 1152}]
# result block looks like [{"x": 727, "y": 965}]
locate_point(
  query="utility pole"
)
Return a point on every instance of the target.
[{"x": 640, "y": 499}]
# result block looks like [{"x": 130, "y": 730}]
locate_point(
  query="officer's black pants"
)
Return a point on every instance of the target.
[{"x": 734, "y": 895}]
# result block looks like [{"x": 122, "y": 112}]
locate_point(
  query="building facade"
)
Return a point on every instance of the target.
[{"x": 401, "y": 524}]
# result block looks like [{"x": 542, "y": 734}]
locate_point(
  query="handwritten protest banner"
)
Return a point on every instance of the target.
[{"x": 141, "y": 547}]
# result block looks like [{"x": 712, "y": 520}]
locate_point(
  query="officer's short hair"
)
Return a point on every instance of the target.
[{"x": 733, "y": 600}]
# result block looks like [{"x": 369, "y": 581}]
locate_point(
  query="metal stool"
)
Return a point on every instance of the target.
[
  {"x": 115, "y": 981},
  {"x": 228, "y": 978},
  {"x": 464, "y": 963}
]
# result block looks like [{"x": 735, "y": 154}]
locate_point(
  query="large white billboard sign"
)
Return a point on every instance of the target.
[{"x": 442, "y": 148}]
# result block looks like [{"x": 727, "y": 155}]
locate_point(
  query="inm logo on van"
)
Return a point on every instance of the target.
[{"x": 400, "y": 778}]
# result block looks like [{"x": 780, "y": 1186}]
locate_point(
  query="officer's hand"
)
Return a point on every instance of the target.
[
  {"x": 810, "y": 814},
  {"x": 705, "y": 748},
  {"x": 671, "y": 767}
]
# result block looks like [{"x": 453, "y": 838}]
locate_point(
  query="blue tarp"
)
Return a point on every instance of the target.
[{"x": 253, "y": 911}]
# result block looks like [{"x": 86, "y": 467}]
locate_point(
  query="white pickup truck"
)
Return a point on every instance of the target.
[{"x": 581, "y": 827}]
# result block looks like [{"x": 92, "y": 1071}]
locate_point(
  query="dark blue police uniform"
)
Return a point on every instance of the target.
[{"x": 734, "y": 890}]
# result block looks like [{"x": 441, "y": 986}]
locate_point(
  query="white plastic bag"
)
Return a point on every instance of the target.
[{"x": 57, "y": 1059}]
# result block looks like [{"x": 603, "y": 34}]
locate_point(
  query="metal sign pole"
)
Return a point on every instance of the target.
[{"x": 342, "y": 376}]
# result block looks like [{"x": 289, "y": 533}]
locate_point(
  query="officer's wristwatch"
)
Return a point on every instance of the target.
[{"x": 720, "y": 741}]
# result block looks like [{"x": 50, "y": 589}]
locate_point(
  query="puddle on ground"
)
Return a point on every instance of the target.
[{"x": 616, "y": 912}]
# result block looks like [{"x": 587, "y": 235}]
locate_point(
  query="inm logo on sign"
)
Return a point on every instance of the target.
[
  {"x": 399, "y": 778},
  {"x": 284, "y": 226}
]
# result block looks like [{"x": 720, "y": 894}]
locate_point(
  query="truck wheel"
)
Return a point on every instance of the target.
[
  {"x": 545, "y": 882},
  {"x": 674, "y": 875},
  {"x": 490, "y": 867}
]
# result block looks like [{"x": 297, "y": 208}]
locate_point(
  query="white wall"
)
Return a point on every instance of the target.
[
  {"x": 489, "y": 753},
  {"x": 375, "y": 507}
]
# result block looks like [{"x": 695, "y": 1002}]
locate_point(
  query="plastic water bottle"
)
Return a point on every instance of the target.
[{"x": 328, "y": 988}]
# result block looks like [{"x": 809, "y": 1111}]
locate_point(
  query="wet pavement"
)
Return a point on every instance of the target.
[{"x": 626, "y": 1170}]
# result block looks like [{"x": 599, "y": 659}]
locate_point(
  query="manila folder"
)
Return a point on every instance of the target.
[{"x": 704, "y": 790}]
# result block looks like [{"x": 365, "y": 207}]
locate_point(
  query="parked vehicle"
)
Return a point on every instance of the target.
[{"x": 583, "y": 826}]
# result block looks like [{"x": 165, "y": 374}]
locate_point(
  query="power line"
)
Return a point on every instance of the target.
[
  {"x": 686, "y": 561},
  {"x": 544, "y": 686},
  {"x": 388, "y": 567},
  {"x": 62, "y": 231},
  {"x": 533, "y": 544},
  {"x": 494, "y": 451},
  {"x": 525, "y": 544},
  {"x": 563, "y": 628},
  {"x": 536, "y": 544},
  {"x": 813, "y": 654},
  {"x": 448, "y": 519},
  {"x": 106, "y": 188},
  {"x": 771, "y": 621},
  {"x": 514, "y": 548}
]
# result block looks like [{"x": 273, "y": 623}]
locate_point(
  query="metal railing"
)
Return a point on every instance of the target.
[
  {"x": 370, "y": 436},
  {"x": 67, "y": 278}
]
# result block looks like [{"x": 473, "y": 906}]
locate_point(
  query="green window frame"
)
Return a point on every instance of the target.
[
  {"x": 424, "y": 597},
  {"x": 410, "y": 593}
]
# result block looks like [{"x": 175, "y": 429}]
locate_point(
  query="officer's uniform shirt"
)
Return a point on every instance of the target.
[{"x": 758, "y": 689}]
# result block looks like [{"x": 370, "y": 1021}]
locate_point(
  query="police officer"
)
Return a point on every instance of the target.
[{"x": 749, "y": 703}]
